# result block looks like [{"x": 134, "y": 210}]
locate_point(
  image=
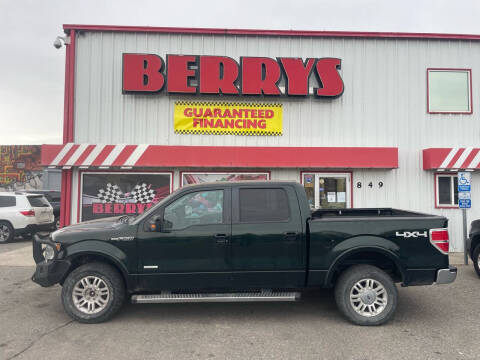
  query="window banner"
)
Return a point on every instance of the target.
[
  {"x": 220, "y": 118},
  {"x": 115, "y": 194},
  {"x": 199, "y": 178}
]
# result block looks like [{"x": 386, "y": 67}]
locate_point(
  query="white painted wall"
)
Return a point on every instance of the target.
[{"x": 384, "y": 104}]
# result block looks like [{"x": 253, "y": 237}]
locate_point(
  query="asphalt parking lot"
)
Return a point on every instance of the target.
[{"x": 432, "y": 322}]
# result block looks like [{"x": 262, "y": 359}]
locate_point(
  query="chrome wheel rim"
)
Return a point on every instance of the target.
[
  {"x": 368, "y": 297},
  {"x": 4, "y": 233},
  {"x": 90, "y": 295}
]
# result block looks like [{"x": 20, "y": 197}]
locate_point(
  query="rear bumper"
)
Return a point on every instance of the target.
[
  {"x": 446, "y": 276},
  {"x": 34, "y": 228}
]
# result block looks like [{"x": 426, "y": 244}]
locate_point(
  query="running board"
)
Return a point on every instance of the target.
[{"x": 219, "y": 297}]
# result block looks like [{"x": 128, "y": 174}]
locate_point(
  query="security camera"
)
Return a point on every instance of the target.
[
  {"x": 60, "y": 40},
  {"x": 57, "y": 43}
]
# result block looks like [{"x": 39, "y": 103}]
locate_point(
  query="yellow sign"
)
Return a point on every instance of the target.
[{"x": 227, "y": 118}]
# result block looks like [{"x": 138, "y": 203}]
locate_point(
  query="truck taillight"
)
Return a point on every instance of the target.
[
  {"x": 439, "y": 239},
  {"x": 28, "y": 212}
]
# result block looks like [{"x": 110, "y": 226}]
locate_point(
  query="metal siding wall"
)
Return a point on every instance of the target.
[{"x": 384, "y": 104}]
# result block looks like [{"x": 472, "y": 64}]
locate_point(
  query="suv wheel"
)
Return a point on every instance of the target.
[
  {"x": 6, "y": 232},
  {"x": 366, "y": 295},
  {"x": 476, "y": 259},
  {"x": 93, "y": 293}
]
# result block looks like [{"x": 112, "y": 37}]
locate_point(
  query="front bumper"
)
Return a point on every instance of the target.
[
  {"x": 446, "y": 276},
  {"x": 47, "y": 273},
  {"x": 51, "y": 272}
]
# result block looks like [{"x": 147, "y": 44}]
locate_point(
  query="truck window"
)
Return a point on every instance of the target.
[
  {"x": 197, "y": 208},
  {"x": 259, "y": 205}
]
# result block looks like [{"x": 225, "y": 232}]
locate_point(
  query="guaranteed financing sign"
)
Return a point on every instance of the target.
[{"x": 227, "y": 118}]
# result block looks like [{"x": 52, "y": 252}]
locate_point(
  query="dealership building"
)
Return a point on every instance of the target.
[{"x": 360, "y": 119}]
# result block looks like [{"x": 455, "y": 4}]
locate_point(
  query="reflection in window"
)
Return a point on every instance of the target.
[
  {"x": 447, "y": 190},
  {"x": 197, "y": 208},
  {"x": 258, "y": 205},
  {"x": 449, "y": 91}
]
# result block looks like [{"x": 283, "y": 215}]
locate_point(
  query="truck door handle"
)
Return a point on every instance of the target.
[
  {"x": 221, "y": 238},
  {"x": 290, "y": 235}
]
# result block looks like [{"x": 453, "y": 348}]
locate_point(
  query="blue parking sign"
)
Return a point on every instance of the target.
[
  {"x": 464, "y": 203},
  {"x": 464, "y": 181},
  {"x": 464, "y": 200}
]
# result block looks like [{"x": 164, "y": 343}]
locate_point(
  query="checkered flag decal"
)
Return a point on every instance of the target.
[
  {"x": 111, "y": 194},
  {"x": 142, "y": 193}
]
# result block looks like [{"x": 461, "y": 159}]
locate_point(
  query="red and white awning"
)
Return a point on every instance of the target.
[
  {"x": 124, "y": 156},
  {"x": 452, "y": 159}
]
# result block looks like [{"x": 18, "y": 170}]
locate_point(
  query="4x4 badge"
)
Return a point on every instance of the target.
[{"x": 409, "y": 234}]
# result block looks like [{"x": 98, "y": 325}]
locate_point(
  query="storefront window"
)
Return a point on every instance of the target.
[
  {"x": 449, "y": 91},
  {"x": 189, "y": 178},
  {"x": 327, "y": 190},
  {"x": 447, "y": 190},
  {"x": 114, "y": 194}
]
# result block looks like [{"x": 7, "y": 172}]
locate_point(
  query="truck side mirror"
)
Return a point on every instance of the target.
[{"x": 159, "y": 225}]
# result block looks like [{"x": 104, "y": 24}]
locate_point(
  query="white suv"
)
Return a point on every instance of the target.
[{"x": 23, "y": 213}]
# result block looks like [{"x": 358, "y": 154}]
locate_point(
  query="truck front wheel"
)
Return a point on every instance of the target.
[
  {"x": 93, "y": 293},
  {"x": 366, "y": 295}
]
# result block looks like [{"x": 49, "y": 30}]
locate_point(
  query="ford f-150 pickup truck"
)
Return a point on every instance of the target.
[{"x": 244, "y": 241}]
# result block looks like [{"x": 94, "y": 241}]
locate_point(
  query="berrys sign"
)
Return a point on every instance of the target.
[{"x": 194, "y": 74}]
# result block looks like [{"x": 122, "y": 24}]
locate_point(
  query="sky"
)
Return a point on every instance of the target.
[{"x": 32, "y": 71}]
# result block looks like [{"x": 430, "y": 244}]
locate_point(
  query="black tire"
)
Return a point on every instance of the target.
[
  {"x": 476, "y": 259},
  {"x": 358, "y": 274},
  {"x": 7, "y": 233},
  {"x": 111, "y": 279}
]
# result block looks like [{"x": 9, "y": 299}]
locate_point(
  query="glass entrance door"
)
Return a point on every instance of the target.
[{"x": 327, "y": 190}]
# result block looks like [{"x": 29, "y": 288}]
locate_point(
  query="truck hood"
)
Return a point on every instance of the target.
[{"x": 101, "y": 229}]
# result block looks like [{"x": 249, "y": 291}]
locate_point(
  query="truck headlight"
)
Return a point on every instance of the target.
[{"x": 48, "y": 252}]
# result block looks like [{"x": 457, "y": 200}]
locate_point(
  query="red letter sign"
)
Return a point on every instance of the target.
[
  {"x": 142, "y": 73},
  {"x": 260, "y": 76},
  {"x": 218, "y": 75},
  {"x": 179, "y": 73},
  {"x": 297, "y": 74},
  {"x": 328, "y": 77}
]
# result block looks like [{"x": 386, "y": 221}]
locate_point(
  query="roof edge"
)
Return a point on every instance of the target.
[{"x": 272, "y": 32}]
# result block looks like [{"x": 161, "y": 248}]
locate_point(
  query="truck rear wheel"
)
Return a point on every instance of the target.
[
  {"x": 476, "y": 259},
  {"x": 366, "y": 295},
  {"x": 93, "y": 293}
]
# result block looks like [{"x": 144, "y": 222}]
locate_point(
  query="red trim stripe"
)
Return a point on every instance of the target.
[
  {"x": 124, "y": 155},
  {"x": 469, "y": 158},
  {"x": 455, "y": 158},
  {"x": 266, "y": 32},
  {"x": 84, "y": 155},
  {"x": 68, "y": 155},
  {"x": 103, "y": 155}
]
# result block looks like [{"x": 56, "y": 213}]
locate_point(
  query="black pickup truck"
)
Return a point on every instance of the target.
[{"x": 244, "y": 241}]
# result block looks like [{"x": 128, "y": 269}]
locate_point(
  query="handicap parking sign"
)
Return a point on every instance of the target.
[{"x": 464, "y": 181}]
